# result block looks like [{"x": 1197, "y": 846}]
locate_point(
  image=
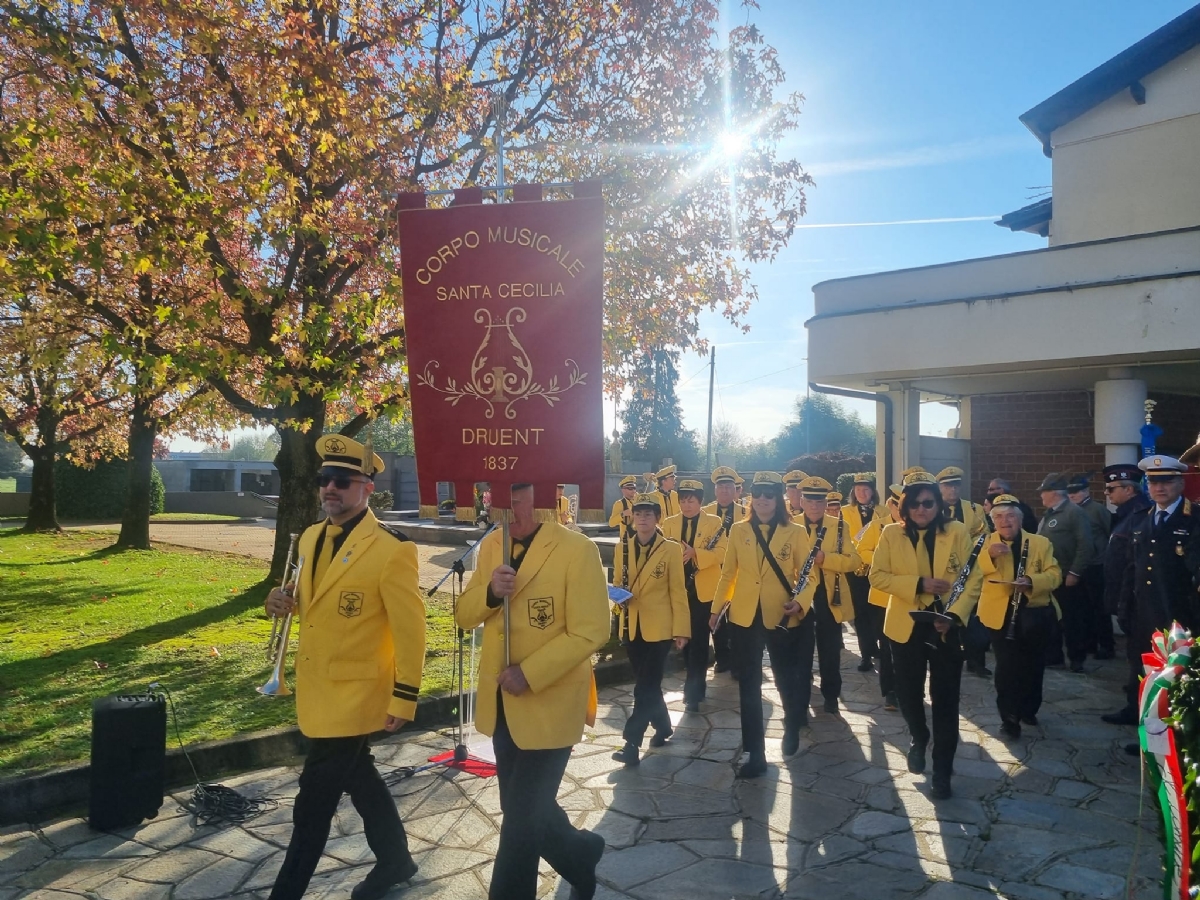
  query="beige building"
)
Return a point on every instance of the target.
[{"x": 1103, "y": 317}]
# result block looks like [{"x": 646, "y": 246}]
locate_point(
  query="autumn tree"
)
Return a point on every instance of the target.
[
  {"x": 653, "y": 424},
  {"x": 271, "y": 139}
]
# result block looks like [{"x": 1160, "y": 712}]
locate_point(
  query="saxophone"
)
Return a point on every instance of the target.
[{"x": 1014, "y": 601}]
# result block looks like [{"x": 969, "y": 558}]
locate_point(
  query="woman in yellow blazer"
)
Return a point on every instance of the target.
[
  {"x": 1019, "y": 646},
  {"x": 861, "y": 509},
  {"x": 867, "y": 540},
  {"x": 651, "y": 568},
  {"x": 762, "y": 612},
  {"x": 916, "y": 563},
  {"x": 702, "y": 539},
  {"x": 622, "y": 511}
]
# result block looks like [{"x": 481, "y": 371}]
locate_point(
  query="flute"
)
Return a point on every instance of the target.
[{"x": 1014, "y": 601}]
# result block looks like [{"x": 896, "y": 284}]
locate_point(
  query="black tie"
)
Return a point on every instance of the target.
[{"x": 1159, "y": 518}]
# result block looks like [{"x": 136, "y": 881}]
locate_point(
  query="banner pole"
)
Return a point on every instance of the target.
[{"x": 507, "y": 560}]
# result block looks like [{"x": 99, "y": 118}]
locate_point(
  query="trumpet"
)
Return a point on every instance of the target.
[{"x": 281, "y": 630}]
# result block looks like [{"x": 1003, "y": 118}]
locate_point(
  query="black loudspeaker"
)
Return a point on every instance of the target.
[{"x": 129, "y": 756}]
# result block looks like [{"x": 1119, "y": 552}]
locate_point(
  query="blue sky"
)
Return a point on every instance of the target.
[{"x": 910, "y": 113}]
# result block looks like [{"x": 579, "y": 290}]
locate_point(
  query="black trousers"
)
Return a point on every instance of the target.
[
  {"x": 828, "y": 644},
  {"x": 867, "y": 627},
  {"x": 695, "y": 654},
  {"x": 925, "y": 652},
  {"x": 793, "y": 682},
  {"x": 336, "y": 766},
  {"x": 534, "y": 825},
  {"x": 1102, "y": 630},
  {"x": 1021, "y": 662},
  {"x": 1076, "y": 626},
  {"x": 723, "y": 643},
  {"x": 648, "y": 659},
  {"x": 976, "y": 654}
]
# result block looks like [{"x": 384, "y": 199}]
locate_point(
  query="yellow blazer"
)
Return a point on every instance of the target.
[
  {"x": 708, "y": 562},
  {"x": 974, "y": 517},
  {"x": 834, "y": 568},
  {"x": 894, "y": 571},
  {"x": 669, "y": 502},
  {"x": 615, "y": 519},
  {"x": 866, "y": 551},
  {"x": 854, "y": 520},
  {"x": 559, "y": 616},
  {"x": 1041, "y": 567},
  {"x": 740, "y": 513},
  {"x": 659, "y": 607},
  {"x": 362, "y": 633},
  {"x": 748, "y": 582}
]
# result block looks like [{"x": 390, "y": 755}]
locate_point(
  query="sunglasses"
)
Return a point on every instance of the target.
[
  {"x": 762, "y": 492},
  {"x": 923, "y": 504},
  {"x": 1113, "y": 488},
  {"x": 341, "y": 482}
]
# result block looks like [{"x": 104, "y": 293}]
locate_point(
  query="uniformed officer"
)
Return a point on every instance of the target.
[
  {"x": 762, "y": 565},
  {"x": 1100, "y": 521},
  {"x": 558, "y": 617},
  {"x": 916, "y": 564},
  {"x": 1068, "y": 530},
  {"x": 1122, "y": 488},
  {"x": 669, "y": 501},
  {"x": 622, "y": 511},
  {"x": 726, "y": 508},
  {"x": 791, "y": 484},
  {"x": 358, "y": 667},
  {"x": 828, "y": 594},
  {"x": 859, "y": 512},
  {"x": 877, "y": 600},
  {"x": 703, "y": 539},
  {"x": 651, "y": 568},
  {"x": 1019, "y": 610}
]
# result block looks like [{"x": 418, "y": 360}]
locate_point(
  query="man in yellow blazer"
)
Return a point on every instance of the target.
[
  {"x": 1020, "y": 645},
  {"x": 669, "y": 499},
  {"x": 358, "y": 667},
  {"x": 917, "y": 563},
  {"x": 764, "y": 560},
  {"x": 791, "y": 485},
  {"x": 867, "y": 540},
  {"x": 959, "y": 509},
  {"x": 729, "y": 509},
  {"x": 534, "y": 704},
  {"x": 828, "y": 594},
  {"x": 702, "y": 539},
  {"x": 622, "y": 511}
]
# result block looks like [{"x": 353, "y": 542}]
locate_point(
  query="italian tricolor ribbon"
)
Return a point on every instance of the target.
[{"x": 1168, "y": 659}]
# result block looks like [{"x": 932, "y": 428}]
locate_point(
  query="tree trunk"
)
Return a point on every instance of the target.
[
  {"x": 135, "y": 525},
  {"x": 43, "y": 515},
  {"x": 298, "y": 464}
]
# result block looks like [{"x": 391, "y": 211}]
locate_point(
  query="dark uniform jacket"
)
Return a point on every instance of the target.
[
  {"x": 1068, "y": 530},
  {"x": 1160, "y": 584},
  {"x": 1100, "y": 520},
  {"x": 1117, "y": 554}
]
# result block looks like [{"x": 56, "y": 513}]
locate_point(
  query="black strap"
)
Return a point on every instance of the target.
[{"x": 764, "y": 544}]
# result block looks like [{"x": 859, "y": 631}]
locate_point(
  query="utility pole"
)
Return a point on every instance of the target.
[{"x": 712, "y": 374}]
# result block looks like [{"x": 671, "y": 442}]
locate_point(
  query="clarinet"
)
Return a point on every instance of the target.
[
  {"x": 625, "y": 585},
  {"x": 1014, "y": 601},
  {"x": 837, "y": 577},
  {"x": 960, "y": 583},
  {"x": 726, "y": 522},
  {"x": 806, "y": 572}
]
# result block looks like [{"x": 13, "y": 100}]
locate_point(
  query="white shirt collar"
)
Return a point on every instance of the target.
[{"x": 1170, "y": 510}]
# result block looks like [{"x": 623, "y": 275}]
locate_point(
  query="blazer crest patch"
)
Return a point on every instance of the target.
[
  {"x": 785, "y": 552},
  {"x": 660, "y": 570},
  {"x": 541, "y": 612},
  {"x": 953, "y": 565},
  {"x": 350, "y": 604}
]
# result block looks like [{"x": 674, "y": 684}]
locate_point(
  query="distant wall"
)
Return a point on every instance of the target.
[
  {"x": 14, "y": 504},
  {"x": 223, "y": 503}
]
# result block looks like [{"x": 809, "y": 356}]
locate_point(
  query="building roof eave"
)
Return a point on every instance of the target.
[{"x": 1034, "y": 218}]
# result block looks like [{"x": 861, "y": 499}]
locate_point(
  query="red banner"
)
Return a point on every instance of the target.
[{"x": 503, "y": 307}]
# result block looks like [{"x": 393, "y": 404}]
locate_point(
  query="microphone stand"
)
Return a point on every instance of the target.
[{"x": 456, "y": 585}]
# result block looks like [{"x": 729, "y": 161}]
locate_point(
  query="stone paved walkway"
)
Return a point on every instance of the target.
[{"x": 1054, "y": 815}]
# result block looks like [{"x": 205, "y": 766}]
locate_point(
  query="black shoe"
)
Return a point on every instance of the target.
[
  {"x": 1029, "y": 720},
  {"x": 1010, "y": 729},
  {"x": 866, "y": 665},
  {"x": 692, "y": 707},
  {"x": 586, "y": 889},
  {"x": 1133, "y": 749},
  {"x": 979, "y": 670},
  {"x": 1126, "y": 716},
  {"x": 721, "y": 667},
  {"x": 916, "y": 759},
  {"x": 791, "y": 741},
  {"x": 1077, "y": 666},
  {"x": 831, "y": 706},
  {"x": 661, "y": 737},
  {"x": 382, "y": 879},
  {"x": 940, "y": 788},
  {"x": 890, "y": 703},
  {"x": 754, "y": 767},
  {"x": 1106, "y": 654},
  {"x": 627, "y": 754}
]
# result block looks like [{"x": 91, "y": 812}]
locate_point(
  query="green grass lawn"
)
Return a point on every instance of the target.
[
  {"x": 8, "y": 485},
  {"x": 79, "y": 621}
]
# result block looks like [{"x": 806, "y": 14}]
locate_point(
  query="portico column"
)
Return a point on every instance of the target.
[
  {"x": 906, "y": 435},
  {"x": 1120, "y": 413}
]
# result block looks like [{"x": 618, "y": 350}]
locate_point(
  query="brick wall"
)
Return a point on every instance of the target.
[{"x": 1022, "y": 437}]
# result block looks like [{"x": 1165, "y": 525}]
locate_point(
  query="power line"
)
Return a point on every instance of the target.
[
  {"x": 768, "y": 375},
  {"x": 693, "y": 375}
]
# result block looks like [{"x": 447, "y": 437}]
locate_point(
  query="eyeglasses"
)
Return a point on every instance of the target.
[
  {"x": 341, "y": 482},
  {"x": 923, "y": 504},
  {"x": 1113, "y": 488},
  {"x": 761, "y": 492}
]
